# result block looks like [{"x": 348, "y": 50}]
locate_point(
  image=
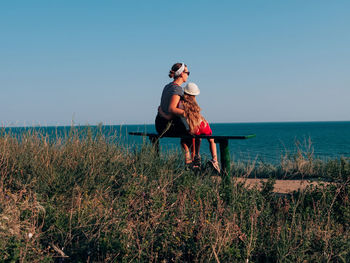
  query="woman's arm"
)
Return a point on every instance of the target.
[
  {"x": 163, "y": 114},
  {"x": 173, "y": 109}
]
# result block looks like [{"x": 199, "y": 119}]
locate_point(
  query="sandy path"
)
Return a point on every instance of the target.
[{"x": 282, "y": 186}]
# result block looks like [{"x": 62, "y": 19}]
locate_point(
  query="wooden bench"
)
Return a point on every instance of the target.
[{"x": 221, "y": 140}]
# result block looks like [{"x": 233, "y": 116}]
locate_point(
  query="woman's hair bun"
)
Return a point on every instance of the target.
[{"x": 171, "y": 74}]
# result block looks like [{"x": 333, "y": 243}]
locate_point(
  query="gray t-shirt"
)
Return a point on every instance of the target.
[{"x": 168, "y": 91}]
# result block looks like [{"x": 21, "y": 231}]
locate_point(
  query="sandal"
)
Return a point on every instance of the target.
[
  {"x": 197, "y": 161},
  {"x": 215, "y": 165}
]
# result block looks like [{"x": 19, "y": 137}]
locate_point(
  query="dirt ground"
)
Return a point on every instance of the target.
[{"x": 281, "y": 186}]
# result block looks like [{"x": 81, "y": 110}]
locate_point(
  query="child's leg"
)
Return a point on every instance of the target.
[
  {"x": 212, "y": 146},
  {"x": 197, "y": 146},
  {"x": 193, "y": 148},
  {"x": 214, "y": 161},
  {"x": 196, "y": 156}
]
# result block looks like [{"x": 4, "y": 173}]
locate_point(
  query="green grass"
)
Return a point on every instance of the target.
[{"x": 83, "y": 199}]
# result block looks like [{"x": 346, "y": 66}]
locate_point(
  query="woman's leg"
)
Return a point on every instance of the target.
[
  {"x": 175, "y": 127},
  {"x": 161, "y": 125},
  {"x": 179, "y": 129},
  {"x": 186, "y": 147}
]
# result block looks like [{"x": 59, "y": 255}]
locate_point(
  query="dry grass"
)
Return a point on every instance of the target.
[{"x": 84, "y": 199}]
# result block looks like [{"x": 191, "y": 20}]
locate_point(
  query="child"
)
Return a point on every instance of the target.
[{"x": 196, "y": 122}]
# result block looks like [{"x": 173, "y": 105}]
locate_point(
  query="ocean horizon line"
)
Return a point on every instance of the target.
[{"x": 147, "y": 124}]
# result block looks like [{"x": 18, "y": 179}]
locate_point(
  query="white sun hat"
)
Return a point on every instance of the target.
[{"x": 192, "y": 89}]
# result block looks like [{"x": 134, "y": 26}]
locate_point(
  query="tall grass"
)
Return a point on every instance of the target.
[{"x": 85, "y": 199}]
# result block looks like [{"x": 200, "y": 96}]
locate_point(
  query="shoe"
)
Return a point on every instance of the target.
[
  {"x": 215, "y": 165},
  {"x": 188, "y": 166},
  {"x": 196, "y": 162}
]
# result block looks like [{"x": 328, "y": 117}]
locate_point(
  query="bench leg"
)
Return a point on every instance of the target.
[
  {"x": 224, "y": 157},
  {"x": 155, "y": 142},
  {"x": 225, "y": 169}
]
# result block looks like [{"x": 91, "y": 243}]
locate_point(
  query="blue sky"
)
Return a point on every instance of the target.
[{"x": 107, "y": 61}]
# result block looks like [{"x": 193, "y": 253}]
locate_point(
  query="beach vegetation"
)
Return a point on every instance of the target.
[{"x": 87, "y": 198}]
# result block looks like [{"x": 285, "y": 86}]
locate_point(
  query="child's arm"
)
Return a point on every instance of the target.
[{"x": 163, "y": 114}]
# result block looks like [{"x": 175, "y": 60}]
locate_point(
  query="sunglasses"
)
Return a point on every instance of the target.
[{"x": 188, "y": 73}]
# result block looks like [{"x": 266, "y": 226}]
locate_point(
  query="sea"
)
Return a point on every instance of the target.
[{"x": 273, "y": 142}]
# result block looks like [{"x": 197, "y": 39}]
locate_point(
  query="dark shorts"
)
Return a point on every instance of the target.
[{"x": 175, "y": 128}]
